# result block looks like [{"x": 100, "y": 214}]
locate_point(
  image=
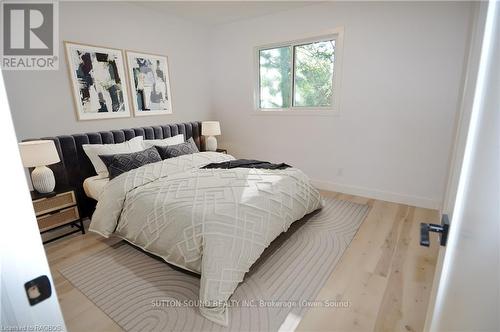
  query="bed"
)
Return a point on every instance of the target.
[{"x": 213, "y": 222}]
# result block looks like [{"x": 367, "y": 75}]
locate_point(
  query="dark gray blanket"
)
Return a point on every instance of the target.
[{"x": 246, "y": 163}]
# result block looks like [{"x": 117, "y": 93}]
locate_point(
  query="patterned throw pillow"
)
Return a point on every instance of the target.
[
  {"x": 177, "y": 150},
  {"x": 124, "y": 162}
]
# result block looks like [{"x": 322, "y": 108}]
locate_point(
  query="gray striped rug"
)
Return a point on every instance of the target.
[{"x": 139, "y": 291}]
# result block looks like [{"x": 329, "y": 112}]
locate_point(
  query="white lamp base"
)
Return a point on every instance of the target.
[
  {"x": 43, "y": 179},
  {"x": 211, "y": 143}
]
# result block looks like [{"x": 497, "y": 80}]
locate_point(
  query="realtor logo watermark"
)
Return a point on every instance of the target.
[{"x": 30, "y": 35}]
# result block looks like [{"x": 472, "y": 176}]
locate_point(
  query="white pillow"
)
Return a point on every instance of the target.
[
  {"x": 177, "y": 139},
  {"x": 94, "y": 150}
]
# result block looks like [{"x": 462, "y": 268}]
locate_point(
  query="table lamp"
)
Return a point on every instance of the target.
[
  {"x": 210, "y": 129},
  {"x": 39, "y": 154}
]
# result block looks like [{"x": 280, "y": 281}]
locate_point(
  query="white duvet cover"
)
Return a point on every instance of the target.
[{"x": 215, "y": 222}]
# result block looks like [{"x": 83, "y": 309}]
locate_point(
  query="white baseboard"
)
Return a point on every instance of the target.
[{"x": 380, "y": 195}]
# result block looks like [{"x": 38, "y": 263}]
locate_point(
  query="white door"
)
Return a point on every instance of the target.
[
  {"x": 468, "y": 292},
  {"x": 22, "y": 255}
]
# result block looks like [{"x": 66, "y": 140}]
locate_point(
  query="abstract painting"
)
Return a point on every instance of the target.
[
  {"x": 99, "y": 82},
  {"x": 149, "y": 83}
]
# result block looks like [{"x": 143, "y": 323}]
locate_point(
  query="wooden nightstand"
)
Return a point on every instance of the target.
[
  {"x": 57, "y": 209},
  {"x": 221, "y": 151}
]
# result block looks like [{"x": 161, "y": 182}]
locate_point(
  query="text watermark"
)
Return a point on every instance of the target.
[
  {"x": 252, "y": 303},
  {"x": 30, "y": 35},
  {"x": 46, "y": 328}
]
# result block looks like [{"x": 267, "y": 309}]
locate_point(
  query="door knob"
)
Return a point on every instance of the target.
[{"x": 442, "y": 230}]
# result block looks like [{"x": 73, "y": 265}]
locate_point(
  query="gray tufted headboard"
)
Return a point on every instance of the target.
[{"x": 75, "y": 166}]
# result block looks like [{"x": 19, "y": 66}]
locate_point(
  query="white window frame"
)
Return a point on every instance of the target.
[{"x": 337, "y": 35}]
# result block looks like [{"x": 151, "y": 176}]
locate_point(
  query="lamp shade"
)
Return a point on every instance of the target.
[
  {"x": 210, "y": 128},
  {"x": 38, "y": 153}
]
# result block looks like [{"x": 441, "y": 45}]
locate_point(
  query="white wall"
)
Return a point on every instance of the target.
[
  {"x": 42, "y": 104},
  {"x": 402, "y": 76}
]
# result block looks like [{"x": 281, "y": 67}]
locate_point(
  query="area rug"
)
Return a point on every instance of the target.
[{"x": 143, "y": 293}]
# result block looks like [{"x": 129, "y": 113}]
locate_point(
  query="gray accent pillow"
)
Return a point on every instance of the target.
[
  {"x": 124, "y": 162},
  {"x": 177, "y": 150}
]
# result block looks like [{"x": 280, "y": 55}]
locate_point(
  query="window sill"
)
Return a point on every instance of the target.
[{"x": 295, "y": 112}]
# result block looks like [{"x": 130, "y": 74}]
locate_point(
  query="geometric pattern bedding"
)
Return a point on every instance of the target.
[{"x": 215, "y": 222}]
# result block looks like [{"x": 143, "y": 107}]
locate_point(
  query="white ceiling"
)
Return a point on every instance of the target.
[{"x": 213, "y": 13}]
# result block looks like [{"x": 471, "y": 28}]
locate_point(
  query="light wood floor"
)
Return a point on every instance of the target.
[{"x": 384, "y": 275}]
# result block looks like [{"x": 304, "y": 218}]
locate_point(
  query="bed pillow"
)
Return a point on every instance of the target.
[
  {"x": 124, "y": 162},
  {"x": 177, "y": 150},
  {"x": 94, "y": 150},
  {"x": 177, "y": 139}
]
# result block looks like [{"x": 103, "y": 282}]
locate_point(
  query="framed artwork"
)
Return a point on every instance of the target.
[
  {"x": 97, "y": 75},
  {"x": 149, "y": 83}
]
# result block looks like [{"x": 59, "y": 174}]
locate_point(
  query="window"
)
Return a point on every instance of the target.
[
  {"x": 298, "y": 75},
  {"x": 275, "y": 77}
]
